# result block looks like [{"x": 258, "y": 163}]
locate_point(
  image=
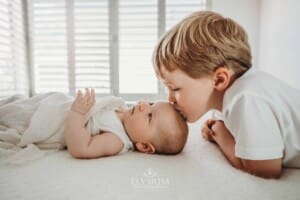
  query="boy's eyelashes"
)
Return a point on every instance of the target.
[{"x": 173, "y": 89}]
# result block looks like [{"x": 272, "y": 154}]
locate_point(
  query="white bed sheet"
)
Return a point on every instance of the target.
[{"x": 199, "y": 172}]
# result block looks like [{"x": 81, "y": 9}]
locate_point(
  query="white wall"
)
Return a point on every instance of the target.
[
  {"x": 247, "y": 14},
  {"x": 279, "y": 50},
  {"x": 273, "y": 27}
]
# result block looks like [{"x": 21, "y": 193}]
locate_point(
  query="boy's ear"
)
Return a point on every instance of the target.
[
  {"x": 222, "y": 78},
  {"x": 145, "y": 147}
]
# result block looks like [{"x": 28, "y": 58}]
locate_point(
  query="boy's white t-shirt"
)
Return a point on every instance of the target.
[{"x": 263, "y": 115}]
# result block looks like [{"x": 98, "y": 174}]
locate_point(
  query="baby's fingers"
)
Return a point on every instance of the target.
[
  {"x": 91, "y": 99},
  {"x": 86, "y": 95},
  {"x": 78, "y": 96}
]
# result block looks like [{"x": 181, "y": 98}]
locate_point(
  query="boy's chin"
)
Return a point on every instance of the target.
[{"x": 192, "y": 119}]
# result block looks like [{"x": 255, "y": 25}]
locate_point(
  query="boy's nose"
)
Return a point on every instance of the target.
[{"x": 172, "y": 99}]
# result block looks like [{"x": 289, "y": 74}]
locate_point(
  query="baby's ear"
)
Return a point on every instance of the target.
[
  {"x": 145, "y": 147},
  {"x": 222, "y": 78}
]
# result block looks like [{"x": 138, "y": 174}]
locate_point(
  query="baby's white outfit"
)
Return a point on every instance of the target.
[
  {"x": 108, "y": 121},
  {"x": 263, "y": 115}
]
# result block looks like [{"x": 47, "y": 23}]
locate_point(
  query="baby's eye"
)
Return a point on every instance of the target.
[
  {"x": 150, "y": 116},
  {"x": 151, "y": 103}
]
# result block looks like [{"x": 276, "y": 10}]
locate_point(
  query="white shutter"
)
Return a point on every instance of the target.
[
  {"x": 70, "y": 45},
  {"x": 177, "y": 10},
  {"x": 92, "y": 45},
  {"x": 13, "y": 72},
  {"x": 138, "y": 33},
  {"x": 99, "y": 43},
  {"x": 48, "y": 34}
]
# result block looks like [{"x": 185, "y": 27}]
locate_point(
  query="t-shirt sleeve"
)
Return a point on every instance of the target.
[{"x": 254, "y": 125}]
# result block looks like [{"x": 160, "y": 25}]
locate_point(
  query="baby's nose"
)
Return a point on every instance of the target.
[{"x": 143, "y": 105}]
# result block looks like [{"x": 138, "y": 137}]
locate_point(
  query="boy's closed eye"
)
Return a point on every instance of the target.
[{"x": 175, "y": 89}]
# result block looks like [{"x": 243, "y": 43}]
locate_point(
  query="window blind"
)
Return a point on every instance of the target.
[
  {"x": 105, "y": 44},
  {"x": 177, "y": 10},
  {"x": 48, "y": 36},
  {"x": 138, "y": 33},
  {"x": 13, "y": 77},
  {"x": 91, "y": 37}
]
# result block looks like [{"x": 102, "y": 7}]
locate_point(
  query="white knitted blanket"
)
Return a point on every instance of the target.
[{"x": 33, "y": 127}]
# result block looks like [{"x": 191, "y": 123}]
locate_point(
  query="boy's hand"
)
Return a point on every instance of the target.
[
  {"x": 214, "y": 130},
  {"x": 207, "y": 132},
  {"x": 83, "y": 103}
]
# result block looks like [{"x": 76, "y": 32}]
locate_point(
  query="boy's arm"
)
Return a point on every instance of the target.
[
  {"x": 79, "y": 141},
  {"x": 218, "y": 132}
]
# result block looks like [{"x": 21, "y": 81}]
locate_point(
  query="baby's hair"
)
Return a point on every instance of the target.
[
  {"x": 201, "y": 43},
  {"x": 171, "y": 138}
]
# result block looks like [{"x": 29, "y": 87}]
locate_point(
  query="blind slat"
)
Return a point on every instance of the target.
[{"x": 13, "y": 73}]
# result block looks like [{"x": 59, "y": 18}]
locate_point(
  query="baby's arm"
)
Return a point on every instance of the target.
[
  {"x": 79, "y": 141},
  {"x": 216, "y": 131}
]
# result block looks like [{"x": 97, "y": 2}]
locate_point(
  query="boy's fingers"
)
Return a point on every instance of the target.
[
  {"x": 219, "y": 125},
  {"x": 206, "y": 127},
  {"x": 210, "y": 122},
  {"x": 205, "y": 132},
  {"x": 206, "y": 136}
]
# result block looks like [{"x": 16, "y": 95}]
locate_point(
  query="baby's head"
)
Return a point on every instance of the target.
[{"x": 156, "y": 128}]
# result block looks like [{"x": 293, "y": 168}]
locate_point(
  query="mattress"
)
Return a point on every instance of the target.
[{"x": 199, "y": 172}]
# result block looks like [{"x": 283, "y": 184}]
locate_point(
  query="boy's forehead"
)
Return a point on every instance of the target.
[{"x": 170, "y": 77}]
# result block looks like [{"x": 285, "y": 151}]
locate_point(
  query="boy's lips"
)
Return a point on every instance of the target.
[{"x": 181, "y": 112}]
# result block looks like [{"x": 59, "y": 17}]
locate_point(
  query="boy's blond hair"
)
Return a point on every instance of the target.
[
  {"x": 201, "y": 43},
  {"x": 171, "y": 135}
]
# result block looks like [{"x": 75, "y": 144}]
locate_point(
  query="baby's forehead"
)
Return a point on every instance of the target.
[
  {"x": 164, "y": 109},
  {"x": 163, "y": 105}
]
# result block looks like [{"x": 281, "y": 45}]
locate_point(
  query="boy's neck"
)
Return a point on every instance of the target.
[
  {"x": 217, "y": 100},
  {"x": 218, "y": 96}
]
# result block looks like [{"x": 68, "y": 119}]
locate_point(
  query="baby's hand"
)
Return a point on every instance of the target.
[
  {"x": 83, "y": 104},
  {"x": 207, "y": 132}
]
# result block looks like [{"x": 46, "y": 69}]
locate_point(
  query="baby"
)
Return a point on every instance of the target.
[
  {"x": 87, "y": 128},
  {"x": 146, "y": 127}
]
